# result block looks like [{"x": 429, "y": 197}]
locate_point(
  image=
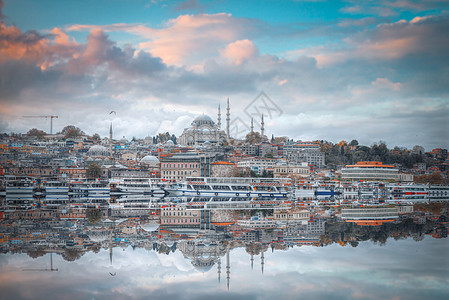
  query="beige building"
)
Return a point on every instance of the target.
[
  {"x": 283, "y": 215},
  {"x": 293, "y": 171},
  {"x": 222, "y": 169}
]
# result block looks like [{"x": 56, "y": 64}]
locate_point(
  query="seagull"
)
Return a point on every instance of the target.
[
  {"x": 113, "y": 274},
  {"x": 113, "y": 111}
]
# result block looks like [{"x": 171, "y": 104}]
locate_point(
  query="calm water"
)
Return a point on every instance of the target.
[{"x": 135, "y": 258}]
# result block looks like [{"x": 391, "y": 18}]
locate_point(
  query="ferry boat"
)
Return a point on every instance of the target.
[
  {"x": 147, "y": 186},
  {"x": 233, "y": 187}
]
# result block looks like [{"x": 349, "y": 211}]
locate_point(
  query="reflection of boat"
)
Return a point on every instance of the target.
[
  {"x": 407, "y": 189},
  {"x": 19, "y": 185},
  {"x": 88, "y": 188},
  {"x": 55, "y": 187},
  {"x": 234, "y": 187},
  {"x": 145, "y": 186}
]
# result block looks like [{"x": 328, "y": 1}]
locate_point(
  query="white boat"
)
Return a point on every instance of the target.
[{"x": 234, "y": 187}]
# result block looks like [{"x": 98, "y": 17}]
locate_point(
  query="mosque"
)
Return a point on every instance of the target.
[{"x": 204, "y": 131}]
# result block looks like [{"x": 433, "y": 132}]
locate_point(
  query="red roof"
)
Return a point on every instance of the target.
[{"x": 222, "y": 163}]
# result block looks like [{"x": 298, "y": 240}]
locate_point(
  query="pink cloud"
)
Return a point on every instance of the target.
[
  {"x": 187, "y": 39},
  {"x": 240, "y": 51}
]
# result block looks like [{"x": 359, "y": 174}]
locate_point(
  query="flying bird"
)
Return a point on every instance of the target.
[
  {"x": 113, "y": 274},
  {"x": 113, "y": 111}
]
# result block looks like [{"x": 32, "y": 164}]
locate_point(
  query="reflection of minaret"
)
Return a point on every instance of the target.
[
  {"x": 110, "y": 139},
  {"x": 252, "y": 260},
  {"x": 228, "y": 267},
  {"x": 228, "y": 119},
  {"x": 252, "y": 125},
  {"x": 219, "y": 117},
  {"x": 219, "y": 269},
  {"x": 262, "y": 129},
  {"x": 110, "y": 248},
  {"x": 262, "y": 260}
]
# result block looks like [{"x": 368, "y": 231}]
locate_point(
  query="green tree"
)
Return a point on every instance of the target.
[{"x": 93, "y": 171}]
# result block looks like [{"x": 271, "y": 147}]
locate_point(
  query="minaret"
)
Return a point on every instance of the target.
[
  {"x": 262, "y": 129},
  {"x": 252, "y": 125},
  {"x": 228, "y": 267},
  {"x": 219, "y": 118},
  {"x": 262, "y": 263},
  {"x": 110, "y": 139},
  {"x": 228, "y": 119}
]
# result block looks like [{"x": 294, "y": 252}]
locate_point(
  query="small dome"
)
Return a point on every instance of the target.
[
  {"x": 150, "y": 227},
  {"x": 150, "y": 160},
  {"x": 169, "y": 142}
]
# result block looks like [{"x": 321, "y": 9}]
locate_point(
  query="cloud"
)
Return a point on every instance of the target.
[{"x": 240, "y": 51}]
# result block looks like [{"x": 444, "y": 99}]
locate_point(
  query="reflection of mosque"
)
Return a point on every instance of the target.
[{"x": 205, "y": 254}]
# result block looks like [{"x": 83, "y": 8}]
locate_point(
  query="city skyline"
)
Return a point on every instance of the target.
[{"x": 337, "y": 70}]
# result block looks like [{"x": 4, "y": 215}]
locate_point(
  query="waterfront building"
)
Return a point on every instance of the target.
[
  {"x": 295, "y": 171},
  {"x": 257, "y": 164},
  {"x": 370, "y": 170},
  {"x": 180, "y": 166}
]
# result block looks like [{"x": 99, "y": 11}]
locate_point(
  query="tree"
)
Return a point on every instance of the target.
[
  {"x": 36, "y": 133},
  {"x": 71, "y": 131},
  {"x": 253, "y": 138},
  {"x": 354, "y": 143},
  {"x": 93, "y": 171},
  {"x": 93, "y": 215},
  {"x": 269, "y": 155},
  {"x": 96, "y": 137}
]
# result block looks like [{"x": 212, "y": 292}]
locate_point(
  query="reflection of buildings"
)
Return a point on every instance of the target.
[
  {"x": 308, "y": 234},
  {"x": 370, "y": 216}
]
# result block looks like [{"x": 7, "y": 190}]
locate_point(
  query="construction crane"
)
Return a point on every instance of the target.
[
  {"x": 46, "y": 117},
  {"x": 46, "y": 269}
]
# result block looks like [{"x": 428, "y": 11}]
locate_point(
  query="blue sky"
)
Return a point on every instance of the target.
[{"x": 369, "y": 70}]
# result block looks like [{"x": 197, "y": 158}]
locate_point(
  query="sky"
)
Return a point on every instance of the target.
[
  {"x": 329, "y": 70},
  {"x": 402, "y": 269}
]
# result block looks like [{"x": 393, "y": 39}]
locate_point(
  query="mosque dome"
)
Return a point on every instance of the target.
[
  {"x": 203, "y": 120},
  {"x": 203, "y": 264},
  {"x": 98, "y": 150},
  {"x": 150, "y": 160}
]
